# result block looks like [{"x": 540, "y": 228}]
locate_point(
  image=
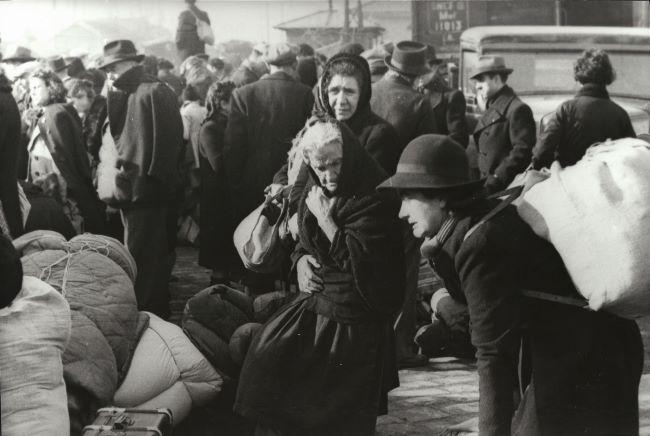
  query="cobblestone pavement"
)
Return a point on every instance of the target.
[{"x": 430, "y": 398}]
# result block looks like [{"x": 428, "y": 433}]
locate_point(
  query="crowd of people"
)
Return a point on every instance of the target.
[{"x": 142, "y": 150}]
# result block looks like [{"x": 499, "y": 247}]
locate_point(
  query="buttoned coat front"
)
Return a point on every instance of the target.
[{"x": 504, "y": 137}]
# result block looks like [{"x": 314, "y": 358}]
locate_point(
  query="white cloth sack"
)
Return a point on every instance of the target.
[
  {"x": 597, "y": 215},
  {"x": 34, "y": 331},
  {"x": 167, "y": 371}
]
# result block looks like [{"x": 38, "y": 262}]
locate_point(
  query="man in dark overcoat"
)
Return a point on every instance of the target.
[
  {"x": 505, "y": 134},
  {"x": 146, "y": 125},
  {"x": 10, "y": 142},
  {"x": 187, "y": 38},
  {"x": 265, "y": 116},
  {"x": 449, "y": 105},
  {"x": 393, "y": 96}
]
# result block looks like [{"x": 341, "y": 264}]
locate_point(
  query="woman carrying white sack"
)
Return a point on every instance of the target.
[{"x": 580, "y": 368}]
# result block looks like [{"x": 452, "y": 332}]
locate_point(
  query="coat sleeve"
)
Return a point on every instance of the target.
[
  {"x": 236, "y": 145},
  {"x": 427, "y": 121},
  {"x": 167, "y": 135},
  {"x": 487, "y": 280},
  {"x": 382, "y": 145},
  {"x": 211, "y": 141},
  {"x": 456, "y": 118},
  {"x": 549, "y": 140},
  {"x": 521, "y": 129}
]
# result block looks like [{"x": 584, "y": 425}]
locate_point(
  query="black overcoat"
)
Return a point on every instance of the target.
[
  {"x": 60, "y": 127},
  {"x": 10, "y": 145},
  {"x": 588, "y": 118},
  {"x": 148, "y": 131},
  {"x": 586, "y": 366},
  {"x": 265, "y": 117},
  {"x": 187, "y": 38},
  {"x": 504, "y": 136},
  {"x": 408, "y": 111}
]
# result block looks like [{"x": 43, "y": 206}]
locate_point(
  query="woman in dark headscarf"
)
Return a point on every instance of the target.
[
  {"x": 323, "y": 364},
  {"x": 215, "y": 247},
  {"x": 344, "y": 92}
]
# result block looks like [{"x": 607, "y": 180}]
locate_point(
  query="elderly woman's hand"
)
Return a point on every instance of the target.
[
  {"x": 308, "y": 279},
  {"x": 320, "y": 206}
]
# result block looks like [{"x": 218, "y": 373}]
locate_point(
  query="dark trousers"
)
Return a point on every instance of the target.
[
  {"x": 149, "y": 237},
  {"x": 406, "y": 323}
]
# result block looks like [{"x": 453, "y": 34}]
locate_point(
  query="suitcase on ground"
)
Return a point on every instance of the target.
[{"x": 114, "y": 421}]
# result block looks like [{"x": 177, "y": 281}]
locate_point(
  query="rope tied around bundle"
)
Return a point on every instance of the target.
[{"x": 73, "y": 249}]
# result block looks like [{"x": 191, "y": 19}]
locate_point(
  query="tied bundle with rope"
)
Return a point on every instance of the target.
[{"x": 95, "y": 274}]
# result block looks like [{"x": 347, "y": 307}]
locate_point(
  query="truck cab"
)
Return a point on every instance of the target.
[{"x": 543, "y": 57}]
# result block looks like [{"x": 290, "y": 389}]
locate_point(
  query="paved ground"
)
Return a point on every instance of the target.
[{"x": 429, "y": 399}]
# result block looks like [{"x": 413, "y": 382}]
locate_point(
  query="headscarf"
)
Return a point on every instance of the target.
[
  {"x": 365, "y": 90},
  {"x": 218, "y": 92}
]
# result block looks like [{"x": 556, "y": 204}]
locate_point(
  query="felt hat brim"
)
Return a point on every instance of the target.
[
  {"x": 112, "y": 60},
  {"x": 410, "y": 71}
]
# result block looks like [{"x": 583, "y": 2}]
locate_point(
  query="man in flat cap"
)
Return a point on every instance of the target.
[
  {"x": 505, "y": 134},
  {"x": 146, "y": 126},
  {"x": 265, "y": 117}
]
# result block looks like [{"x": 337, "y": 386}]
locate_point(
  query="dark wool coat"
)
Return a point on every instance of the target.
[
  {"x": 92, "y": 126},
  {"x": 328, "y": 358},
  {"x": 10, "y": 150},
  {"x": 148, "y": 131},
  {"x": 578, "y": 123},
  {"x": 504, "y": 137},
  {"x": 408, "y": 111},
  {"x": 584, "y": 367},
  {"x": 187, "y": 38},
  {"x": 265, "y": 117},
  {"x": 449, "y": 109},
  {"x": 216, "y": 249},
  {"x": 60, "y": 128}
]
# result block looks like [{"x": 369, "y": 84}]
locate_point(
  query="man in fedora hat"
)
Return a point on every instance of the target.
[
  {"x": 448, "y": 105},
  {"x": 145, "y": 123},
  {"x": 393, "y": 96},
  {"x": 409, "y": 112},
  {"x": 265, "y": 116},
  {"x": 505, "y": 134},
  {"x": 582, "y": 367}
]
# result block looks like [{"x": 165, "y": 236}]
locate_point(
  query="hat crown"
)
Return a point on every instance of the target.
[
  {"x": 56, "y": 63},
  {"x": 121, "y": 47},
  {"x": 490, "y": 64},
  {"x": 281, "y": 54},
  {"x": 409, "y": 57},
  {"x": 436, "y": 155}
]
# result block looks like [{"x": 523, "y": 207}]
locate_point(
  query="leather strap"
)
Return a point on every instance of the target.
[
  {"x": 512, "y": 193},
  {"x": 556, "y": 298}
]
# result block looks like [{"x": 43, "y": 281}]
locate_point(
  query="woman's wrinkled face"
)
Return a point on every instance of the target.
[
  {"x": 425, "y": 215},
  {"x": 343, "y": 93},
  {"x": 326, "y": 161},
  {"x": 39, "y": 92}
]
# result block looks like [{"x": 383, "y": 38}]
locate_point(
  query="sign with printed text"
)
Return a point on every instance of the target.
[{"x": 447, "y": 20}]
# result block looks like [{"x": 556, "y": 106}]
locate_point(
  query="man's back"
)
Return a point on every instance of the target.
[
  {"x": 265, "y": 117},
  {"x": 394, "y": 100}
]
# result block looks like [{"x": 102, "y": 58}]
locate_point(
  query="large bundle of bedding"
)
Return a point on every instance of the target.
[
  {"x": 597, "y": 215},
  {"x": 34, "y": 331}
]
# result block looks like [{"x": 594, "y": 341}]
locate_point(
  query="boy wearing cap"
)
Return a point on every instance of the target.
[
  {"x": 574, "y": 371},
  {"x": 505, "y": 134},
  {"x": 146, "y": 125}
]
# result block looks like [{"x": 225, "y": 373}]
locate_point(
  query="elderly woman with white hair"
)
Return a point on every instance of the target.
[{"x": 323, "y": 364}]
